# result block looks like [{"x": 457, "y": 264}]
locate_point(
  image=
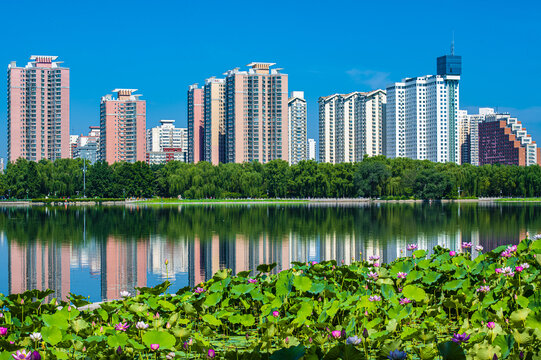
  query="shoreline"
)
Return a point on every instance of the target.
[{"x": 261, "y": 202}]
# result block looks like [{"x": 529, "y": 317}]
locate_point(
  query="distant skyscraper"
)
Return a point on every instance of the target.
[
  {"x": 167, "y": 142},
  {"x": 297, "y": 127},
  {"x": 122, "y": 127},
  {"x": 256, "y": 114},
  {"x": 38, "y": 110},
  {"x": 1, "y": 165},
  {"x": 474, "y": 120},
  {"x": 73, "y": 145},
  {"x": 88, "y": 146},
  {"x": 351, "y": 126},
  {"x": 422, "y": 114},
  {"x": 214, "y": 123},
  {"x": 311, "y": 153},
  {"x": 503, "y": 140},
  {"x": 196, "y": 134}
]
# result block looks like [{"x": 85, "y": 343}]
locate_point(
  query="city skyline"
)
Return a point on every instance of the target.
[{"x": 381, "y": 61}]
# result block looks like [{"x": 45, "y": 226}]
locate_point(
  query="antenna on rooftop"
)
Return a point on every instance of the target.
[{"x": 453, "y": 44}]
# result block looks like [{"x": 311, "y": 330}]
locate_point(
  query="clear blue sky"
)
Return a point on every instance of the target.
[{"x": 161, "y": 47}]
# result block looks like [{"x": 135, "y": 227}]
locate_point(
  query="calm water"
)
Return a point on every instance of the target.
[{"x": 100, "y": 251}]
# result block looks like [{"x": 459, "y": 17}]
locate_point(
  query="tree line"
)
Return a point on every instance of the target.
[{"x": 375, "y": 177}]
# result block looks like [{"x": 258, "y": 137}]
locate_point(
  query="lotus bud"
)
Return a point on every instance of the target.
[
  {"x": 119, "y": 350},
  {"x": 166, "y": 261},
  {"x": 168, "y": 325},
  {"x": 365, "y": 333}
]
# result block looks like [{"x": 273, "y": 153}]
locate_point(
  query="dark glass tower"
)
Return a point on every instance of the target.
[{"x": 449, "y": 65}]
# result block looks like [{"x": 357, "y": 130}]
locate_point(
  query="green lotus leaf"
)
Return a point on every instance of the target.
[
  {"x": 79, "y": 325},
  {"x": 520, "y": 315},
  {"x": 413, "y": 292},
  {"x": 210, "y": 319},
  {"x": 302, "y": 283},
  {"x": 213, "y": 299},
  {"x": 51, "y": 335},
  {"x": 451, "y": 351},
  {"x": 162, "y": 338},
  {"x": 119, "y": 339},
  {"x": 431, "y": 277}
]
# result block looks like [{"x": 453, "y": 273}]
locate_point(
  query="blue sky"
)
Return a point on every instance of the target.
[{"x": 161, "y": 47}]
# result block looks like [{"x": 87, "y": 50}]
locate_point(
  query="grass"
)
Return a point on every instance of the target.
[{"x": 518, "y": 200}]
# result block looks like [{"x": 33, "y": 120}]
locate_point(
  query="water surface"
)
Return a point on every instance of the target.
[{"x": 101, "y": 251}]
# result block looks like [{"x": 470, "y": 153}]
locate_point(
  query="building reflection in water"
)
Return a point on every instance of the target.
[{"x": 113, "y": 262}]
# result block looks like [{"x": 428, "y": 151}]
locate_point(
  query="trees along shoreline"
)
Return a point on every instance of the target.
[{"x": 375, "y": 177}]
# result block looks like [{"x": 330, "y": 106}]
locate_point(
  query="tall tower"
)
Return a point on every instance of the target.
[
  {"x": 450, "y": 68},
  {"x": 38, "y": 110},
  {"x": 256, "y": 114},
  {"x": 214, "y": 120},
  {"x": 297, "y": 127},
  {"x": 122, "y": 127},
  {"x": 196, "y": 143}
]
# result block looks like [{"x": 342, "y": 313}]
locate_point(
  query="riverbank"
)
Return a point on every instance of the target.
[{"x": 173, "y": 201}]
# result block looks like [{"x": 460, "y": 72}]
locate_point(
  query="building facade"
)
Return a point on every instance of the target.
[
  {"x": 297, "y": 115},
  {"x": 214, "y": 120},
  {"x": 311, "y": 149},
  {"x": 88, "y": 146},
  {"x": 122, "y": 127},
  {"x": 351, "y": 126},
  {"x": 195, "y": 124},
  {"x": 503, "y": 140},
  {"x": 422, "y": 114},
  {"x": 167, "y": 142},
  {"x": 256, "y": 114},
  {"x": 38, "y": 110}
]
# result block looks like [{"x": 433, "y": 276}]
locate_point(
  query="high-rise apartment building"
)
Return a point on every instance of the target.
[
  {"x": 38, "y": 109},
  {"x": 422, "y": 114},
  {"x": 473, "y": 122},
  {"x": 297, "y": 127},
  {"x": 167, "y": 142},
  {"x": 122, "y": 127},
  {"x": 256, "y": 114},
  {"x": 503, "y": 140},
  {"x": 351, "y": 126},
  {"x": 196, "y": 130},
  {"x": 214, "y": 120},
  {"x": 311, "y": 149}
]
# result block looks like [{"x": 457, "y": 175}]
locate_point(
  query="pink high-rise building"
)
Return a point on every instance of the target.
[
  {"x": 256, "y": 114},
  {"x": 38, "y": 110},
  {"x": 196, "y": 144},
  {"x": 122, "y": 127}
]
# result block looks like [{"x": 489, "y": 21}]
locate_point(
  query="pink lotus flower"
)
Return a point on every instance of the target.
[
  {"x": 491, "y": 324},
  {"x": 252, "y": 281},
  {"x": 373, "y": 275},
  {"x": 498, "y": 270},
  {"x": 199, "y": 290},
  {"x": 452, "y": 253},
  {"x": 401, "y": 275},
  {"x": 122, "y": 326},
  {"x": 374, "y": 298},
  {"x": 404, "y": 301},
  {"x": 483, "y": 289},
  {"x": 154, "y": 347},
  {"x": 479, "y": 248},
  {"x": 336, "y": 334},
  {"x": 519, "y": 268},
  {"x": 376, "y": 264},
  {"x": 466, "y": 245},
  {"x": 211, "y": 354},
  {"x": 412, "y": 247},
  {"x": 275, "y": 313},
  {"x": 3, "y": 331},
  {"x": 22, "y": 355}
]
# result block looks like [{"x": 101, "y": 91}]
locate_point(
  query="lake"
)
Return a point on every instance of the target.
[{"x": 101, "y": 251}]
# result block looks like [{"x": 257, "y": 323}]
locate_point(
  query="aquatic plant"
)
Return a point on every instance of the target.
[{"x": 425, "y": 306}]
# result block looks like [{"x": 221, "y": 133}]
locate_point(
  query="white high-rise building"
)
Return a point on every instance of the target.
[
  {"x": 422, "y": 114},
  {"x": 350, "y": 126},
  {"x": 297, "y": 127},
  {"x": 311, "y": 149},
  {"x": 166, "y": 142}
]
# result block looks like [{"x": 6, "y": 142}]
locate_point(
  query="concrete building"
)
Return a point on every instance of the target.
[
  {"x": 422, "y": 114},
  {"x": 88, "y": 146},
  {"x": 196, "y": 134},
  {"x": 73, "y": 145},
  {"x": 297, "y": 116},
  {"x": 256, "y": 114},
  {"x": 38, "y": 110},
  {"x": 167, "y": 142},
  {"x": 351, "y": 126},
  {"x": 1, "y": 165},
  {"x": 473, "y": 122},
  {"x": 214, "y": 123},
  {"x": 123, "y": 127},
  {"x": 503, "y": 140},
  {"x": 311, "y": 149}
]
